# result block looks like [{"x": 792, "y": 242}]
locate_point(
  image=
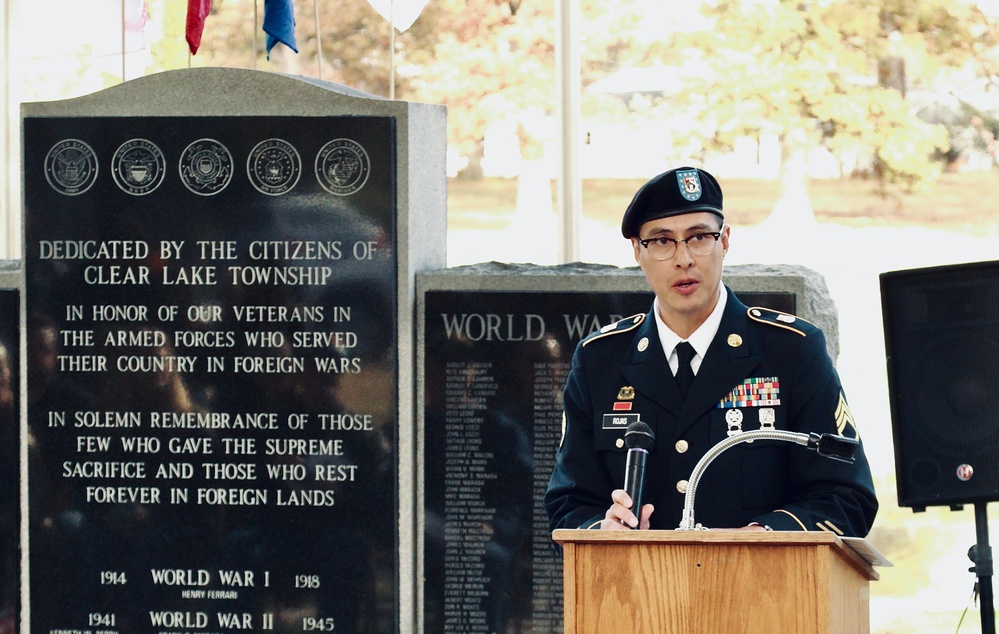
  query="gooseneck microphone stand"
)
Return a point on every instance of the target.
[
  {"x": 981, "y": 555},
  {"x": 828, "y": 445}
]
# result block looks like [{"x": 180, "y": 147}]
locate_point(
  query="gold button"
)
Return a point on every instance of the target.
[
  {"x": 681, "y": 446},
  {"x": 620, "y": 443},
  {"x": 681, "y": 486}
]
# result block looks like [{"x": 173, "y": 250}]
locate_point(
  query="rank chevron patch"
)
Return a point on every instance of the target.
[{"x": 844, "y": 416}]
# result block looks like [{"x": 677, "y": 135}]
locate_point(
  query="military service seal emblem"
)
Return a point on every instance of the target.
[
  {"x": 138, "y": 167},
  {"x": 342, "y": 167},
  {"x": 274, "y": 167},
  {"x": 206, "y": 167},
  {"x": 71, "y": 167}
]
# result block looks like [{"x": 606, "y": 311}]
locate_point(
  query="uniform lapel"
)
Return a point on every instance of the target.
[
  {"x": 649, "y": 371},
  {"x": 729, "y": 360}
]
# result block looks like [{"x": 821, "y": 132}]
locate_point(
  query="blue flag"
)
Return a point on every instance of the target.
[{"x": 279, "y": 24}]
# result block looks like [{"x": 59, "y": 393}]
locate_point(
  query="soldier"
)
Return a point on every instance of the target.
[{"x": 744, "y": 369}]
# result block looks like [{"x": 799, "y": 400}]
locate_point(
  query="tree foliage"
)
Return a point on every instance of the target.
[
  {"x": 489, "y": 63},
  {"x": 819, "y": 73}
]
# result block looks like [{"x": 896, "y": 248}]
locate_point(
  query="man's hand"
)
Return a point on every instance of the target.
[{"x": 620, "y": 516}]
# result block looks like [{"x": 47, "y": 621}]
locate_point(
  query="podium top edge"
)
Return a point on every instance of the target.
[
  {"x": 720, "y": 538},
  {"x": 563, "y": 535}
]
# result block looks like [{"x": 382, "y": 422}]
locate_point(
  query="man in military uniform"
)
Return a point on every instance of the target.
[{"x": 753, "y": 368}]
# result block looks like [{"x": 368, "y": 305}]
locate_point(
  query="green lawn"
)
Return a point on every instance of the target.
[{"x": 961, "y": 201}]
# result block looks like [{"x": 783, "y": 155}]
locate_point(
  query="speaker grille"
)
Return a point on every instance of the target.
[{"x": 942, "y": 346}]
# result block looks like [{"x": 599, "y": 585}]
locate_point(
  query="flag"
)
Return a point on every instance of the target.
[
  {"x": 401, "y": 13},
  {"x": 279, "y": 24},
  {"x": 197, "y": 11},
  {"x": 135, "y": 25},
  {"x": 107, "y": 26}
]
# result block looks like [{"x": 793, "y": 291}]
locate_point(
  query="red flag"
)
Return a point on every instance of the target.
[{"x": 197, "y": 11}]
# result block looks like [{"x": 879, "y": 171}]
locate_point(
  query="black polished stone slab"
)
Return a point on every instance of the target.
[
  {"x": 212, "y": 396},
  {"x": 495, "y": 364}
]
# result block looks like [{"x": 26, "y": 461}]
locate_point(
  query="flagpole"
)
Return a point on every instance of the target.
[
  {"x": 568, "y": 81},
  {"x": 391, "y": 49},
  {"x": 255, "y": 23},
  {"x": 319, "y": 38},
  {"x": 188, "y": 47},
  {"x": 123, "y": 41}
]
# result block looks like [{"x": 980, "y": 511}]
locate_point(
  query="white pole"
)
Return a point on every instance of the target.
[
  {"x": 568, "y": 81},
  {"x": 123, "y": 41},
  {"x": 319, "y": 38},
  {"x": 10, "y": 155},
  {"x": 391, "y": 49}
]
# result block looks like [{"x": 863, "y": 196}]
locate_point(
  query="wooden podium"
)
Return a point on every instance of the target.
[{"x": 713, "y": 582}]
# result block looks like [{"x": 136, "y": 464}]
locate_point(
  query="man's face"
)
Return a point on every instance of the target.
[{"x": 686, "y": 284}]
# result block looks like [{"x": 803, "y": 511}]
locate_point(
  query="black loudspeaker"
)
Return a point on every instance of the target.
[{"x": 941, "y": 329}]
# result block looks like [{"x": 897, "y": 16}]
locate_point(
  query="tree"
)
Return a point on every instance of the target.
[
  {"x": 807, "y": 72},
  {"x": 492, "y": 61},
  {"x": 495, "y": 61}
]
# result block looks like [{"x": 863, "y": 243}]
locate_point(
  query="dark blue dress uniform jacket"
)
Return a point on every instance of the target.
[{"x": 779, "y": 484}]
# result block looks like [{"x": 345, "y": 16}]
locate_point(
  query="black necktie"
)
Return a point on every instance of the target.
[{"x": 684, "y": 373}]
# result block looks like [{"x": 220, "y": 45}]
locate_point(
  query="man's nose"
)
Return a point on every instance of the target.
[{"x": 683, "y": 255}]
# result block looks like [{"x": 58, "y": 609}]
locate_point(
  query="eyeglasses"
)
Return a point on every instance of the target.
[{"x": 663, "y": 248}]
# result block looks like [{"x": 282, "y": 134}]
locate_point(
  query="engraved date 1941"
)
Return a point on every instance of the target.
[{"x": 100, "y": 619}]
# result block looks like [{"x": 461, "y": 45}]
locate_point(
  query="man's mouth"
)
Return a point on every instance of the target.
[{"x": 686, "y": 285}]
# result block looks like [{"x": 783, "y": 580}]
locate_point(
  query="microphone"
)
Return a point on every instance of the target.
[{"x": 639, "y": 440}]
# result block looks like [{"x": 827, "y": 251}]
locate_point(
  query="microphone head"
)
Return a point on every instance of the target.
[
  {"x": 639, "y": 436},
  {"x": 836, "y": 447}
]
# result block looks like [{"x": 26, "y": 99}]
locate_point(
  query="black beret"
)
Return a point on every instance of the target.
[{"x": 679, "y": 191}]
